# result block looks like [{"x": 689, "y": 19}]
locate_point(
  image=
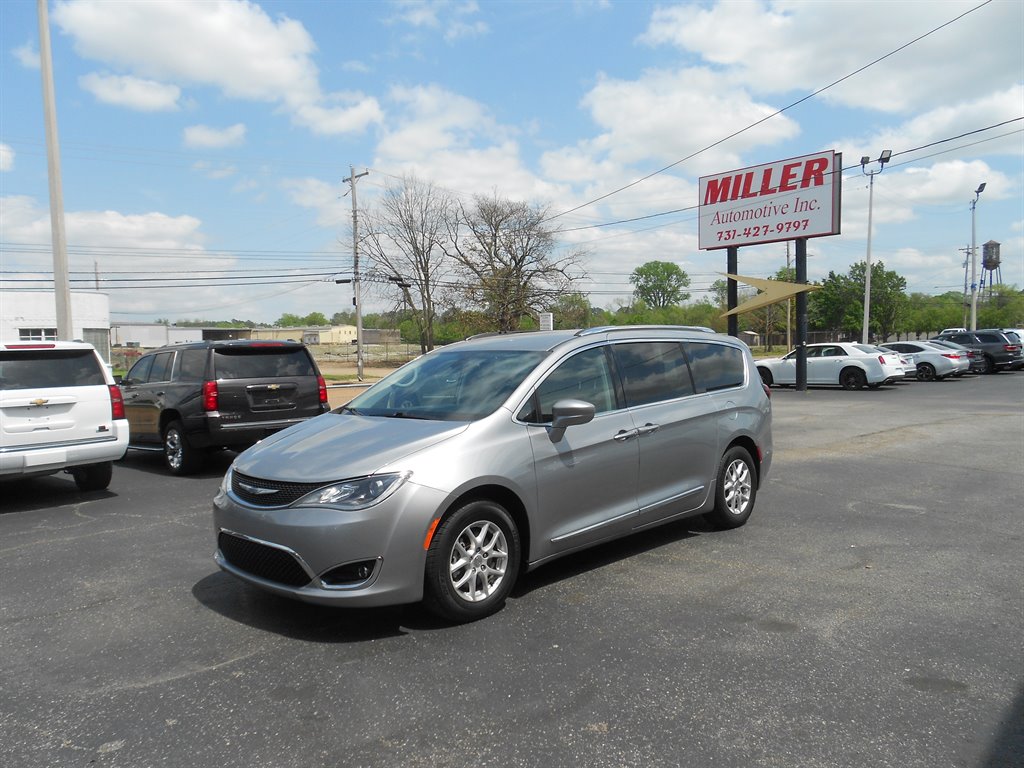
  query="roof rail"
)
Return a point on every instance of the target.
[{"x": 633, "y": 328}]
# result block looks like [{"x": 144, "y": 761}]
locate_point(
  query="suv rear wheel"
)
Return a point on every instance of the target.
[
  {"x": 95, "y": 477},
  {"x": 181, "y": 458}
]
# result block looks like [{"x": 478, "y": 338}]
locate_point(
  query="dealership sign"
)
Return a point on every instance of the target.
[{"x": 799, "y": 197}]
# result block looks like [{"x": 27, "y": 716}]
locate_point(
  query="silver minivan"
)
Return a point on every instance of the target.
[{"x": 490, "y": 457}]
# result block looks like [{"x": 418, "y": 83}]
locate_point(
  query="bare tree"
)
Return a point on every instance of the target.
[
  {"x": 508, "y": 258},
  {"x": 404, "y": 237}
]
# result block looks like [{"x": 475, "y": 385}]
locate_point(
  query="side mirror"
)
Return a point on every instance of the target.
[{"x": 567, "y": 413}]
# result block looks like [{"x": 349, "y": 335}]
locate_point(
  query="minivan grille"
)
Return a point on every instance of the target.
[
  {"x": 268, "y": 493},
  {"x": 268, "y": 563}
]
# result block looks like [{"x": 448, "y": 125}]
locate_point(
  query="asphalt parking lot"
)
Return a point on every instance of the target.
[{"x": 870, "y": 614}]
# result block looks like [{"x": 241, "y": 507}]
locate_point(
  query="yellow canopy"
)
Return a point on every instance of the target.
[{"x": 772, "y": 292}]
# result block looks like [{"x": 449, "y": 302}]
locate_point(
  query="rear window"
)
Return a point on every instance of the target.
[
  {"x": 262, "y": 363},
  {"x": 31, "y": 369},
  {"x": 715, "y": 366}
]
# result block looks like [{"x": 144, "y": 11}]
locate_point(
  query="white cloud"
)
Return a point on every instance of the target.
[
  {"x": 231, "y": 45},
  {"x": 6, "y": 157},
  {"x": 669, "y": 115},
  {"x": 205, "y": 137},
  {"x": 452, "y": 19},
  {"x": 27, "y": 56},
  {"x": 332, "y": 211},
  {"x": 783, "y": 46},
  {"x": 131, "y": 92}
]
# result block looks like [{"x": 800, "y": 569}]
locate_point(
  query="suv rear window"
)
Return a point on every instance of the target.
[
  {"x": 262, "y": 362},
  {"x": 30, "y": 369}
]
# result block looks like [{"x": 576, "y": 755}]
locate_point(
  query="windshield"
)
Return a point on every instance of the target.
[{"x": 448, "y": 386}]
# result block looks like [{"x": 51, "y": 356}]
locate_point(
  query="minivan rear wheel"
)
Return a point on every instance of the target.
[
  {"x": 472, "y": 562},
  {"x": 181, "y": 458},
  {"x": 735, "y": 490}
]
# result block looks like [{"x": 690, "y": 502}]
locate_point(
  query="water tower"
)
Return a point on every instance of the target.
[{"x": 990, "y": 266}]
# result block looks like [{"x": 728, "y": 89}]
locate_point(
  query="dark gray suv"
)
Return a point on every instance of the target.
[
  {"x": 997, "y": 350},
  {"x": 187, "y": 399},
  {"x": 493, "y": 456}
]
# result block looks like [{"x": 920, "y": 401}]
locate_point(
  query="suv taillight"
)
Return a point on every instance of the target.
[
  {"x": 116, "y": 402},
  {"x": 322, "y": 386},
  {"x": 881, "y": 359},
  {"x": 209, "y": 395}
]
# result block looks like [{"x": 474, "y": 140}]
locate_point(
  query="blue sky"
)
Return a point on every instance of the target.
[{"x": 210, "y": 139}]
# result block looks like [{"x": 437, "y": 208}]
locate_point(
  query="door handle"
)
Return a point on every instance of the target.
[
  {"x": 648, "y": 429},
  {"x": 623, "y": 435}
]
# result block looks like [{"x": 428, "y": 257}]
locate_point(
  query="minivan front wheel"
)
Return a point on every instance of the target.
[
  {"x": 735, "y": 490},
  {"x": 180, "y": 457},
  {"x": 472, "y": 562}
]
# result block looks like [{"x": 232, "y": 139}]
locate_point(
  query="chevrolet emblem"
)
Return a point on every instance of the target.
[
  {"x": 273, "y": 387},
  {"x": 39, "y": 401}
]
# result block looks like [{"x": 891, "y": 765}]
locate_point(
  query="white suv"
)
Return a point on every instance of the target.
[{"x": 59, "y": 410}]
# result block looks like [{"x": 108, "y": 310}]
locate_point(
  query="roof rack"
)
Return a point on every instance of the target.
[{"x": 634, "y": 328}]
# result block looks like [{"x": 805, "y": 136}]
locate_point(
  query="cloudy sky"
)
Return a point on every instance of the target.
[{"x": 204, "y": 144}]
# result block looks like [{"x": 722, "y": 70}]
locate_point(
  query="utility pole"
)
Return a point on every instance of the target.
[
  {"x": 61, "y": 289},
  {"x": 357, "y": 298}
]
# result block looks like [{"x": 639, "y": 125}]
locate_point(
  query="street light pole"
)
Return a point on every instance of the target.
[
  {"x": 974, "y": 261},
  {"x": 882, "y": 160}
]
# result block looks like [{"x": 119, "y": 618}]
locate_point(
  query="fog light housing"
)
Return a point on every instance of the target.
[{"x": 349, "y": 574}]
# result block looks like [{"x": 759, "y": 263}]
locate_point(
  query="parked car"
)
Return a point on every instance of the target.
[
  {"x": 906, "y": 361},
  {"x": 851, "y": 366},
  {"x": 930, "y": 363},
  {"x": 59, "y": 411},
  {"x": 486, "y": 458},
  {"x": 188, "y": 399},
  {"x": 997, "y": 350},
  {"x": 975, "y": 361}
]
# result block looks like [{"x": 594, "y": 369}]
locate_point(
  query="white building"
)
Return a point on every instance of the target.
[{"x": 32, "y": 316}]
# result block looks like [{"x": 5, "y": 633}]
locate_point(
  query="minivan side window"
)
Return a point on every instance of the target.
[
  {"x": 652, "y": 371},
  {"x": 585, "y": 376},
  {"x": 715, "y": 366}
]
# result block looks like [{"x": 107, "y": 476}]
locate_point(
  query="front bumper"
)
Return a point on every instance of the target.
[{"x": 314, "y": 542}]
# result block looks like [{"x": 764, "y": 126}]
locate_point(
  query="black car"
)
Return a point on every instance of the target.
[
  {"x": 188, "y": 399},
  {"x": 997, "y": 350}
]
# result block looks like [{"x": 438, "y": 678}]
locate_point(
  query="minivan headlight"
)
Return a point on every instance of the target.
[{"x": 355, "y": 493}]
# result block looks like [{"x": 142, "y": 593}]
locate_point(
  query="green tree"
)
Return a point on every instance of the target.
[
  {"x": 315, "y": 318},
  {"x": 888, "y": 297},
  {"x": 836, "y": 307},
  {"x": 660, "y": 284}
]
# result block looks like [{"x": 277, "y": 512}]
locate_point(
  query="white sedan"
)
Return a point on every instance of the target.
[
  {"x": 932, "y": 363},
  {"x": 851, "y": 366}
]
